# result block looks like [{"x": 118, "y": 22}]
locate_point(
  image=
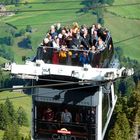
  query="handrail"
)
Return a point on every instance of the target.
[{"x": 69, "y": 124}]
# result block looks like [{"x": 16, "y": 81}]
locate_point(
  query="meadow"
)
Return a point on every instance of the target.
[{"x": 123, "y": 22}]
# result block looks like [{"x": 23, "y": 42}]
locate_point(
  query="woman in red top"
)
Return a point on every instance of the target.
[{"x": 48, "y": 115}]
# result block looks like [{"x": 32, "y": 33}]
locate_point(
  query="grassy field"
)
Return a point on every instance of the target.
[
  {"x": 131, "y": 12},
  {"x": 123, "y": 22},
  {"x": 125, "y": 33},
  {"x": 18, "y": 99}
]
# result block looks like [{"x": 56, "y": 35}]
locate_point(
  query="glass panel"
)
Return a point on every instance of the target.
[
  {"x": 73, "y": 57},
  {"x": 59, "y": 120},
  {"x": 105, "y": 109}
]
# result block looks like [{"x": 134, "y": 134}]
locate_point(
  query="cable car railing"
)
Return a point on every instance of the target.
[{"x": 73, "y": 57}]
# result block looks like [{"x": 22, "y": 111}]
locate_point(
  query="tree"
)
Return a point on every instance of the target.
[
  {"x": 6, "y": 52},
  {"x": 99, "y": 11},
  {"x": 110, "y": 2},
  {"x": 1, "y": 79},
  {"x": 118, "y": 53},
  {"x": 12, "y": 132},
  {"x": 130, "y": 86},
  {"x": 22, "y": 117},
  {"x": 25, "y": 43},
  {"x": 121, "y": 130},
  {"x": 4, "y": 117},
  {"x": 115, "y": 133},
  {"x": 12, "y": 31},
  {"x": 11, "y": 111},
  {"x": 10, "y": 40},
  {"x": 101, "y": 21},
  {"x": 127, "y": 115},
  {"x": 123, "y": 123},
  {"x": 28, "y": 137}
]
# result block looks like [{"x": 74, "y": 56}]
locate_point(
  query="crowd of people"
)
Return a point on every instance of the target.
[{"x": 63, "y": 44}]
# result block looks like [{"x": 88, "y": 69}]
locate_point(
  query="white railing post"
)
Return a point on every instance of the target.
[{"x": 99, "y": 115}]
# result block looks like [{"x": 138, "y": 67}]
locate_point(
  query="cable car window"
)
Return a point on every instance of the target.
[{"x": 57, "y": 120}]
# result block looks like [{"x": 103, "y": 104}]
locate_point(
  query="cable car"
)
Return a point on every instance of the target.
[
  {"x": 77, "y": 62},
  {"x": 81, "y": 106}
]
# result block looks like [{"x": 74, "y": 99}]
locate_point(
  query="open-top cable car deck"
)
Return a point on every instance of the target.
[{"x": 74, "y": 57}]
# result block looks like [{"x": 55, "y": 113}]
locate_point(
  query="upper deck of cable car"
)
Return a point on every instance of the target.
[
  {"x": 82, "y": 53},
  {"x": 77, "y": 46}
]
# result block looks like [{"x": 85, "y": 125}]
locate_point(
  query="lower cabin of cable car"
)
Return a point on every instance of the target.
[
  {"x": 68, "y": 114},
  {"x": 77, "y": 122}
]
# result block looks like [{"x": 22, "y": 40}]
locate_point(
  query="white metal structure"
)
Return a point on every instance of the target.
[{"x": 32, "y": 70}]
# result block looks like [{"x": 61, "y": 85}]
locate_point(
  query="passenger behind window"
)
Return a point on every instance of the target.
[
  {"x": 48, "y": 114},
  {"x": 66, "y": 116},
  {"x": 90, "y": 116},
  {"x": 57, "y": 116},
  {"x": 93, "y": 112},
  {"x": 79, "y": 117}
]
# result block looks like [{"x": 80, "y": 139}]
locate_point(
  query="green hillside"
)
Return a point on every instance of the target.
[
  {"x": 131, "y": 12},
  {"x": 123, "y": 22}
]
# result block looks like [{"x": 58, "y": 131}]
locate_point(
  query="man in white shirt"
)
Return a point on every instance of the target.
[{"x": 66, "y": 116}]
